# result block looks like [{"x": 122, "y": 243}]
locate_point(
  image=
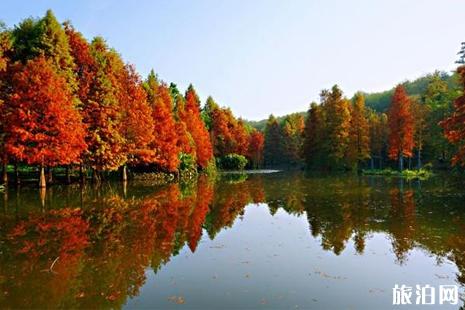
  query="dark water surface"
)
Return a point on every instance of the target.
[{"x": 276, "y": 240}]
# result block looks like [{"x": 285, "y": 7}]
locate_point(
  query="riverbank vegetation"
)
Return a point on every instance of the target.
[{"x": 73, "y": 104}]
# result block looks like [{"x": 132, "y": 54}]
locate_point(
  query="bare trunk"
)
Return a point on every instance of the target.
[
  {"x": 68, "y": 175},
  {"x": 419, "y": 159},
  {"x": 401, "y": 162},
  {"x": 125, "y": 189},
  {"x": 49, "y": 175},
  {"x": 17, "y": 178},
  {"x": 5, "y": 173},
  {"x": 42, "y": 194},
  {"x": 82, "y": 177},
  {"x": 42, "y": 183},
  {"x": 96, "y": 176},
  {"x": 372, "y": 163},
  {"x": 124, "y": 174}
]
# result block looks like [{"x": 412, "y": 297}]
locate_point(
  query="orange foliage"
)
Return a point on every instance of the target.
[
  {"x": 401, "y": 126},
  {"x": 190, "y": 115},
  {"x": 202, "y": 207},
  {"x": 43, "y": 126},
  {"x": 84, "y": 64},
  {"x": 255, "y": 151},
  {"x": 138, "y": 126},
  {"x": 165, "y": 141}
]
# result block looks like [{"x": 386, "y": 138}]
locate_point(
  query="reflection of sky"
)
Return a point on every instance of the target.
[
  {"x": 274, "y": 262},
  {"x": 266, "y": 56}
]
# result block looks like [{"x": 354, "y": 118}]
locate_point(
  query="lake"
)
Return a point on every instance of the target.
[{"x": 259, "y": 241}]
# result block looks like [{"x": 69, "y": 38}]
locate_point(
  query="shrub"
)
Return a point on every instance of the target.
[
  {"x": 187, "y": 163},
  {"x": 232, "y": 162}
]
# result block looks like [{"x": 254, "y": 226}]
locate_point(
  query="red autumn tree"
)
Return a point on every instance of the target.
[
  {"x": 228, "y": 135},
  {"x": 454, "y": 126},
  {"x": 102, "y": 111},
  {"x": 5, "y": 47},
  {"x": 196, "y": 127},
  {"x": 138, "y": 124},
  {"x": 185, "y": 142},
  {"x": 43, "y": 126},
  {"x": 84, "y": 63},
  {"x": 401, "y": 127},
  {"x": 255, "y": 150},
  {"x": 241, "y": 138},
  {"x": 165, "y": 142}
]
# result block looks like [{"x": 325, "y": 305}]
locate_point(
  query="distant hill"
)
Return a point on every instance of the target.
[
  {"x": 380, "y": 101},
  {"x": 260, "y": 125}
]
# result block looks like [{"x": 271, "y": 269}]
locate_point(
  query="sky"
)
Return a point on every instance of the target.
[{"x": 269, "y": 56}]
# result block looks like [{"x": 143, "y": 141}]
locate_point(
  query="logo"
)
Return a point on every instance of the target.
[{"x": 425, "y": 295}]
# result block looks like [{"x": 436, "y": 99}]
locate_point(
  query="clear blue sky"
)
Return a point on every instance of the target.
[{"x": 265, "y": 56}]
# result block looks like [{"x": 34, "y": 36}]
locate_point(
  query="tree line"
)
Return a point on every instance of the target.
[
  {"x": 68, "y": 102},
  {"x": 344, "y": 134}
]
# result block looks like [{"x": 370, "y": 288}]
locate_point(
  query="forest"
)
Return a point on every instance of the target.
[
  {"x": 71, "y": 106},
  {"x": 418, "y": 124}
]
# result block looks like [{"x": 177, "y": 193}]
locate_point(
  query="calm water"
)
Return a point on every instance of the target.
[{"x": 267, "y": 241}]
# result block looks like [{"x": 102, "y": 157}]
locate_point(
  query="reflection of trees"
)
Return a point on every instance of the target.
[
  {"x": 229, "y": 202},
  {"x": 401, "y": 222},
  {"x": 340, "y": 209},
  {"x": 103, "y": 249},
  {"x": 105, "y": 246}
]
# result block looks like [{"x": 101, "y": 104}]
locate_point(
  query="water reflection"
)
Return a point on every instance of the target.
[{"x": 76, "y": 247}]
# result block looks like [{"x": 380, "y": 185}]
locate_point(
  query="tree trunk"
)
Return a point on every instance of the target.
[
  {"x": 49, "y": 175},
  {"x": 401, "y": 162},
  {"x": 125, "y": 189},
  {"x": 68, "y": 175},
  {"x": 410, "y": 163},
  {"x": 5, "y": 173},
  {"x": 419, "y": 159},
  {"x": 82, "y": 177},
  {"x": 124, "y": 174},
  {"x": 42, "y": 183},
  {"x": 372, "y": 163},
  {"x": 96, "y": 176},
  {"x": 42, "y": 193},
  {"x": 17, "y": 178}
]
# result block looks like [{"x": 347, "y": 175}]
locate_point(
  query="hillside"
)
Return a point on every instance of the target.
[{"x": 379, "y": 101}]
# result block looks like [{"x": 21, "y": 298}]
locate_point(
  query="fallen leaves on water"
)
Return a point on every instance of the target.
[
  {"x": 177, "y": 299},
  {"x": 327, "y": 276},
  {"x": 375, "y": 290}
]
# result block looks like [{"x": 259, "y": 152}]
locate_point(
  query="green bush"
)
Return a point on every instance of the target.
[
  {"x": 421, "y": 174},
  {"x": 187, "y": 163},
  {"x": 232, "y": 162}
]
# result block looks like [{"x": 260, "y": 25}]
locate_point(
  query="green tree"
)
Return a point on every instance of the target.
[
  {"x": 273, "y": 142},
  {"x": 359, "y": 138},
  {"x": 45, "y": 36},
  {"x": 337, "y": 123},
  {"x": 293, "y": 127},
  {"x": 439, "y": 99},
  {"x": 313, "y": 137}
]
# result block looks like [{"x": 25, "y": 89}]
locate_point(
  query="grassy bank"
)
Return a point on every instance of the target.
[{"x": 408, "y": 174}]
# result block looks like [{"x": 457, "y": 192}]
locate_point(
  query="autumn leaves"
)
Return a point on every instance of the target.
[{"x": 66, "y": 101}]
